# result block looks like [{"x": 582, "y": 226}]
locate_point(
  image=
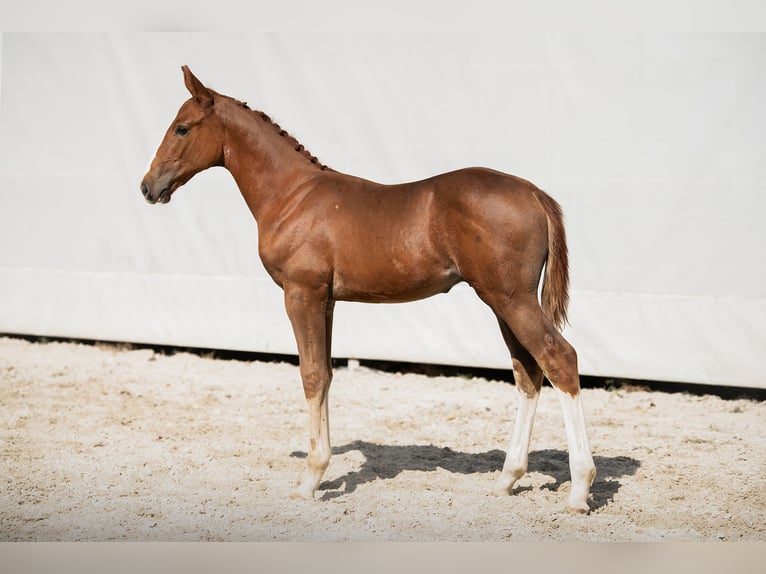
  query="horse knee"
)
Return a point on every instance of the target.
[{"x": 315, "y": 383}]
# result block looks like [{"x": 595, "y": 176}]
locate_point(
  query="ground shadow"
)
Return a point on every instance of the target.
[
  {"x": 555, "y": 463},
  {"x": 387, "y": 461}
]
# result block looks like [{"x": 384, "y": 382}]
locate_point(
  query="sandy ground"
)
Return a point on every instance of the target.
[{"x": 108, "y": 443}]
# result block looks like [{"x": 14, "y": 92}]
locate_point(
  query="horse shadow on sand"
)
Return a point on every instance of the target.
[{"x": 387, "y": 461}]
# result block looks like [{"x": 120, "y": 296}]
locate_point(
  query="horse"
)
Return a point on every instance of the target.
[{"x": 325, "y": 236}]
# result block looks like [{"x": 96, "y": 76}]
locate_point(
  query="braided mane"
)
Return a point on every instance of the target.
[{"x": 292, "y": 140}]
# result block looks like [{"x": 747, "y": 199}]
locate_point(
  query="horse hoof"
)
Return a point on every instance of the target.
[
  {"x": 578, "y": 509},
  {"x": 501, "y": 491},
  {"x": 504, "y": 485},
  {"x": 296, "y": 495},
  {"x": 302, "y": 494}
]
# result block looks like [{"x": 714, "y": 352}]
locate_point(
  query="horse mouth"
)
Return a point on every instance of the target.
[{"x": 164, "y": 196}]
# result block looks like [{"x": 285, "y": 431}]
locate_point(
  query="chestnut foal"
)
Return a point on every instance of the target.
[{"x": 324, "y": 236}]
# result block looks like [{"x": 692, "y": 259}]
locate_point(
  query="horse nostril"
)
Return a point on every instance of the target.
[{"x": 144, "y": 190}]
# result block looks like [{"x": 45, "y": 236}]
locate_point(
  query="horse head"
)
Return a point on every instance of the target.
[{"x": 192, "y": 143}]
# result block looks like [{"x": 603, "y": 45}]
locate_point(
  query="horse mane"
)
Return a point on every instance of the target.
[{"x": 291, "y": 139}]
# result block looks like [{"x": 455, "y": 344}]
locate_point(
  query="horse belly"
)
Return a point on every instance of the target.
[
  {"x": 384, "y": 248},
  {"x": 392, "y": 281}
]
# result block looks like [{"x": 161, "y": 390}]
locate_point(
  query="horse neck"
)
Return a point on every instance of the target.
[{"x": 264, "y": 164}]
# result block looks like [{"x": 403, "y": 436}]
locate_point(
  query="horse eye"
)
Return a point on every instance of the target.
[{"x": 181, "y": 130}]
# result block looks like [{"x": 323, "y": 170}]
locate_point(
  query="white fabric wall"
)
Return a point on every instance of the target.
[{"x": 653, "y": 143}]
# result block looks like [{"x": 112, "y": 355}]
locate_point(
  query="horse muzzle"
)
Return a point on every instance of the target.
[{"x": 156, "y": 192}]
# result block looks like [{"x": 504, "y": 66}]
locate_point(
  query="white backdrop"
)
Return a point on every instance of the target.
[{"x": 655, "y": 145}]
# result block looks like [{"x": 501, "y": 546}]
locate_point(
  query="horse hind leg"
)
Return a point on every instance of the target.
[
  {"x": 529, "y": 378},
  {"x": 581, "y": 466},
  {"x": 558, "y": 361}
]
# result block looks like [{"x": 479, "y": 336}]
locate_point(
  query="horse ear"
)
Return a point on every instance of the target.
[{"x": 201, "y": 94}]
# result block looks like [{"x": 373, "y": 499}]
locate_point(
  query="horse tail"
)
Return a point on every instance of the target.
[{"x": 555, "y": 293}]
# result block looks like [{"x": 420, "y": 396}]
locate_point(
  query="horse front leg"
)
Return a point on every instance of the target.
[
  {"x": 310, "y": 312},
  {"x": 319, "y": 447}
]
